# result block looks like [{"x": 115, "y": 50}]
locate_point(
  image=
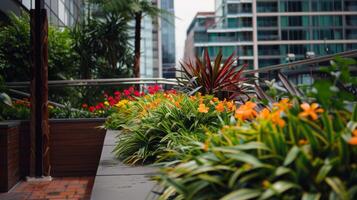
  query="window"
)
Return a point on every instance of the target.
[
  {"x": 264, "y": 50},
  {"x": 327, "y": 34},
  {"x": 351, "y": 34},
  {"x": 267, "y": 6},
  {"x": 351, "y": 20},
  {"x": 294, "y": 6},
  {"x": 327, "y": 20},
  {"x": 267, "y": 21},
  {"x": 268, "y": 35},
  {"x": 326, "y": 5},
  {"x": 294, "y": 35},
  {"x": 292, "y": 21},
  {"x": 351, "y": 5}
]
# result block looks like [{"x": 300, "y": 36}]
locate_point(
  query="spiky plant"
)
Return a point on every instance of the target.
[{"x": 221, "y": 79}]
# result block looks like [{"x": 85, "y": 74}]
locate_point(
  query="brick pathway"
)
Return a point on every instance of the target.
[{"x": 58, "y": 189}]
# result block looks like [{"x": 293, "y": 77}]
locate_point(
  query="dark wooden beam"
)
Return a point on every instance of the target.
[{"x": 40, "y": 162}]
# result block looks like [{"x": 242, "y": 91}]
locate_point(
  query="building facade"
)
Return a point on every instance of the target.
[
  {"x": 60, "y": 12},
  {"x": 168, "y": 45},
  {"x": 269, "y": 32}
]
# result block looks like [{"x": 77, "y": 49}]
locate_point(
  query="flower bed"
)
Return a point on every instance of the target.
[{"x": 298, "y": 147}]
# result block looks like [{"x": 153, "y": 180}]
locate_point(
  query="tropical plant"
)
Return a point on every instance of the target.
[
  {"x": 291, "y": 152},
  {"x": 132, "y": 10},
  {"x": 221, "y": 80}
]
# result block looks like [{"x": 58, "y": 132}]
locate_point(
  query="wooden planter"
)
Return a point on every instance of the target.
[
  {"x": 9, "y": 155},
  {"x": 76, "y": 146},
  {"x": 75, "y": 149}
]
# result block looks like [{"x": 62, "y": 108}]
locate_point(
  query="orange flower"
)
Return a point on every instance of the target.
[
  {"x": 311, "y": 111},
  {"x": 303, "y": 142},
  {"x": 246, "y": 111},
  {"x": 215, "y": 99},
  {"x": 231, "y": 106},
  {"x": 353, "y": 141},
  {"x": 354, "y": 133},
  {"x": 283, "y": 104},
  {"x": 276, "y": 119},
  {"x": 220, "y": 107},
  {"x": 264, "y": 114},
  {"x": 202, "y": 108}
]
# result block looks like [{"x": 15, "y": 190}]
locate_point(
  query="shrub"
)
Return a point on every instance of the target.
[
  {"x": 156, "y": 126},
  {"x": 292, "y": 152}
]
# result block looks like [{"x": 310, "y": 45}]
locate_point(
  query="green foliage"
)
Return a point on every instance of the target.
[
  {"x": 259, "y": 160},
  {"x": 221, "y": 80},
  {"x": 15, "y": 56},
  {"x": 155, "y": 127},
  {"x": 103, "y": 46},
  {"x": 339, "y": 87}
]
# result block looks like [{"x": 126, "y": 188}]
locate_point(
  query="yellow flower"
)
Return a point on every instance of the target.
[
  {"x": 220, "y": 107},
  {"x": 202, "y": 108},
  {"x": 311, "y": 111},
  {"x": 106, "y": 103},
  {"x": 283, "y": 104},
  {"x": 266, "y": 184},
  {"x": 246, "y": 111},
  {"x": 121, "y": 103}
]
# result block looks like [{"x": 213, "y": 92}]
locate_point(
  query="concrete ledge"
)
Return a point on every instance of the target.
[{"x": 115, "y": 180}]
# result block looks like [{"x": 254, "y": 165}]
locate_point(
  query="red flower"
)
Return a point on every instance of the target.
[
  {"x": 137, "y": 93},
  {"x": 131, "y": 89},
  {"x": 84, "y": 105},
  {"x": 142, "y": 94},
  {"x": 117, "y": 93},
  {"x": 91, "y": 109},
  {"x": 101, "y": 105},
  {"x": 127, "y": 92}
]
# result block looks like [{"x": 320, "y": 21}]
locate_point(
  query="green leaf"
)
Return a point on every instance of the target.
[
  {"x": 338, "y": 187},
  {"x": 242, "y": 194},
  {"x": 5, "y": 99},
  {"x": 278, "y": 188},
  {"x": 292, "y": 155},
  {"x": 310, "y": 196},
  {"x": 246, "y": 158},
  {"x": 323, "y": 172}
]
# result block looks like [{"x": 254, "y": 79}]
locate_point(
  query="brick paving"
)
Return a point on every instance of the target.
[{"x": 74, "y": 188}]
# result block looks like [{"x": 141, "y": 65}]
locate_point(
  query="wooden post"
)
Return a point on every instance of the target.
[{"x": 40, "y": 162}]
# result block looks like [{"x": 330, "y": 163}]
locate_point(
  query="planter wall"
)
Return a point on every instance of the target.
[
  {"x": 76, "y": 146},
  {"x": 9, "y": 155}
]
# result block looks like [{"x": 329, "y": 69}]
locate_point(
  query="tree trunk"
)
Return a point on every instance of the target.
[{"x": 138, "y": 17}]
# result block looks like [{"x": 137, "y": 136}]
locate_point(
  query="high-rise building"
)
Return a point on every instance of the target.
[
  {"x": 269, "y": 32},
  {"x": 168, "y": 39},
  {"x": 60, "y": 12}
]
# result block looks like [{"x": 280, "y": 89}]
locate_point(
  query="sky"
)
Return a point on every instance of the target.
[{"x": 185, "y": 10}]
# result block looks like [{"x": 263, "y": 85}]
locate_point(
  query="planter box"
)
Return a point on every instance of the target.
[
  {"x": 76, "y": 146},
  {"x": 9, "y": 155},
  {"x": 75, "y": 149}
]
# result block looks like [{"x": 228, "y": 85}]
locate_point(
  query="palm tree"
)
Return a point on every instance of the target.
[{"x": 133, "y": 10}]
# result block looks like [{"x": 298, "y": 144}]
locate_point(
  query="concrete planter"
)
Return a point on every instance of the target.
[{"x": 76, "y": 146}]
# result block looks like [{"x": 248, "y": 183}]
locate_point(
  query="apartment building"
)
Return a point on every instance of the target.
[{"x": 269, "y": 32}]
